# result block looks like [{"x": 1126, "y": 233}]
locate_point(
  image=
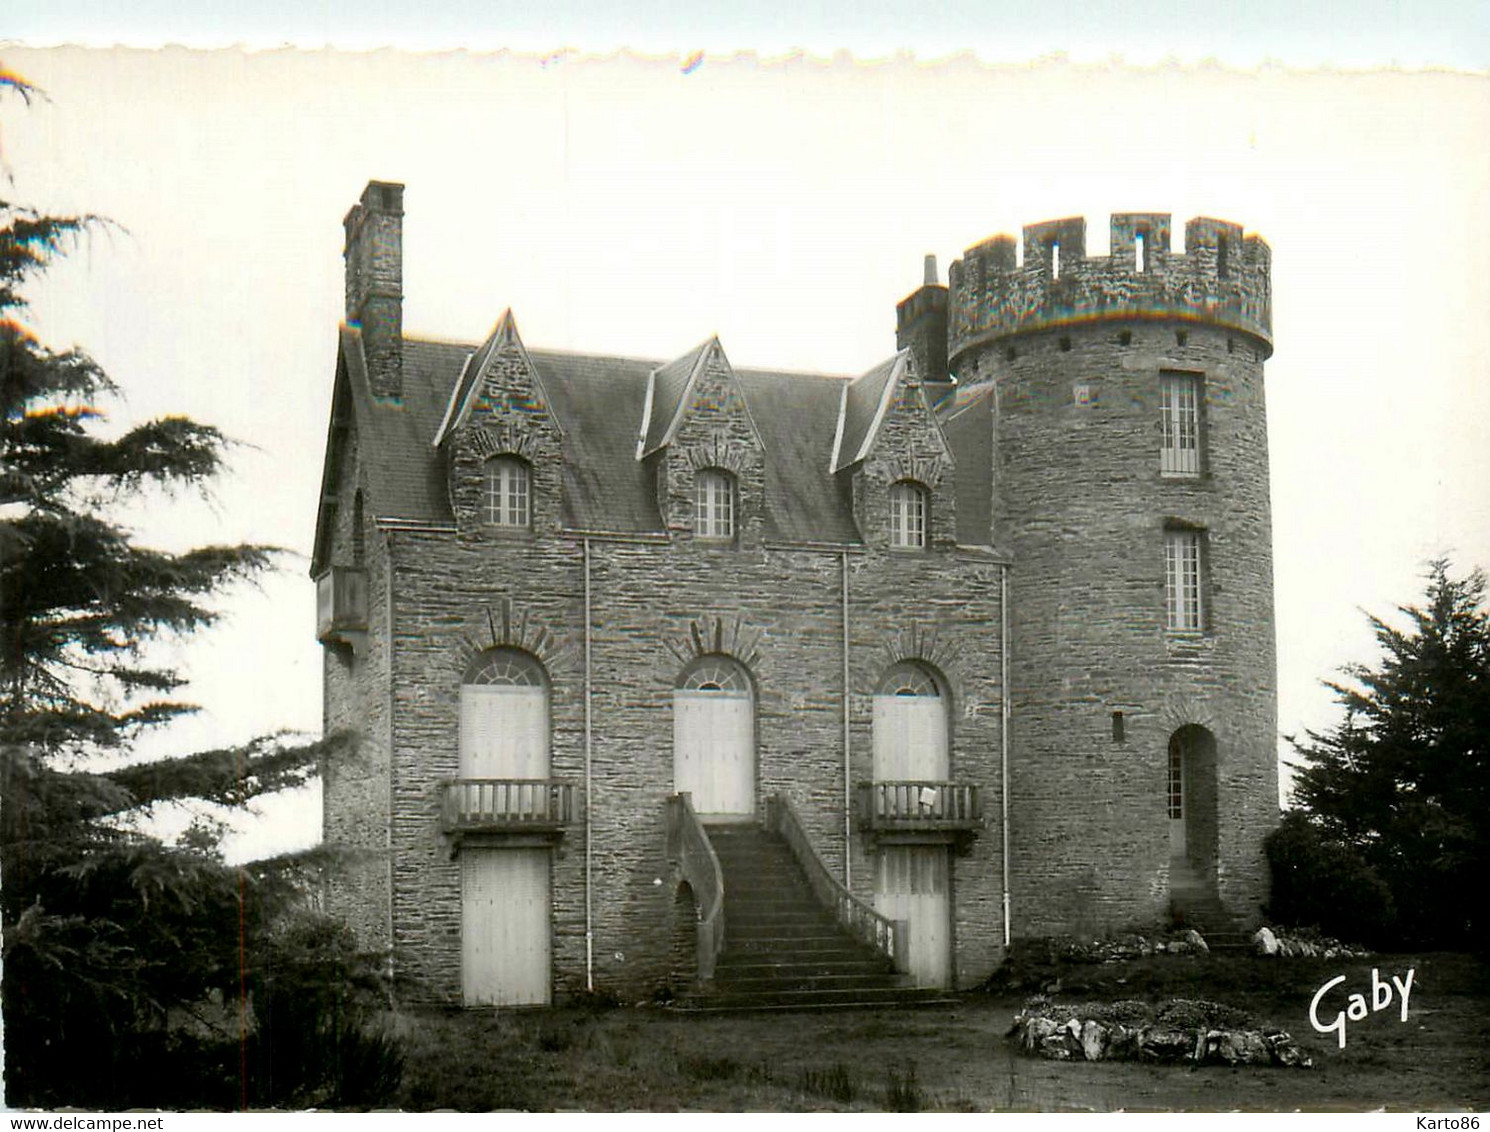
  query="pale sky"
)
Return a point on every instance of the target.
[{"x": 625, "y": 205}]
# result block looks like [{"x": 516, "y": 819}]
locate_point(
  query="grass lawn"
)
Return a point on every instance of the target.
[{"x": 956, "y": 1058}]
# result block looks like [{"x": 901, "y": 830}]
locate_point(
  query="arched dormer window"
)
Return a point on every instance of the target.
[
  {"x": 908, "y": 511},
  {"x": 714, "y": 504},
  {"x": 507, "y": 499}
]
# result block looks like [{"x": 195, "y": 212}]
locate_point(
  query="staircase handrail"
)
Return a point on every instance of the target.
[
  {"x": 891, "y": 938},
  {"x": 689, "y": 847}
]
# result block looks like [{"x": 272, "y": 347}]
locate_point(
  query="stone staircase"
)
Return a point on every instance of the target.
[
  {"x": 782, "y": 949},
  {"x": 1193, "y": 904}
]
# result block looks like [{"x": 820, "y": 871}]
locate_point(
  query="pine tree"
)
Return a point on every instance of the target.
[
  {"x": 130, "y": 966},
  {"x": 1404, "y": 780}
]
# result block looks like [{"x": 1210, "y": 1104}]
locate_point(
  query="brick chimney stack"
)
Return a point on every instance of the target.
[
  {"x": 921, "y": 326},
  {"x": 375, "y": 282}
]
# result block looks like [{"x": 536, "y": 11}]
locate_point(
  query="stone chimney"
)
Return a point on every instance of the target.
[
  {"x": 921, "y": 327},
  {"x": 375, "y": 282}
]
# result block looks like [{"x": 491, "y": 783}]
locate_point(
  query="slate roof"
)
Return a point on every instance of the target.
[
  {"x": 863, "y": 406},
  {"x": 967, "y": 422},
  {"x": 670, "y": 384},
  {"x": 601, "y": 406}
]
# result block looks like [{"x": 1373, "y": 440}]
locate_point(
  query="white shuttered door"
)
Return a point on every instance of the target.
[
  {"x": 503, "y": 731},
  {"x": 910, "y": 738},
  {"x": 911, "y": 884},
  {"x": 505, "y": 927},
  {"x": 714, "y": 752}
]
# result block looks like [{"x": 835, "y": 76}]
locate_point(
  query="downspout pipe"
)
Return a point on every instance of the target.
[
  {"x": 589, "y": 921},
  {"x": 1005, "y": 708},
  {"x": 848, "y": 786}
]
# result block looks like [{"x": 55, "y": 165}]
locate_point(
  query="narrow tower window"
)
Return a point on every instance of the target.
[
  {"x": 907, "y": 515},
  {"x": 506, "y": 501},
  {"x": 714, "y": 505},
  {"x": 1176, "y": 778},
  {"x": 1140, "y": 260},
  {"x": 1222, "y": 264},
  {"x": 1055, "y": 259},
  {"x": 1179, "y": 415},
  {"x": 1182, "y": 579}
]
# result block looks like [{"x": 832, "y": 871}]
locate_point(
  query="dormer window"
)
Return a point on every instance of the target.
[
  {"x": 714, "y": 505},
  {"x": 908, "y": 515},
  {"x": 506, "y": 499}
]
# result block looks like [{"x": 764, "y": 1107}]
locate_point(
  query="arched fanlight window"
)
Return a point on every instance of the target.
[
  {"x": 908, "y": 515},
  {"x": 510, "y": 667},
  {"x": 909, "y": 678},
  {"x": 506, "y": 497},
  {"x": 714, "y": 504},
  {"x": 715, "y": 674}
]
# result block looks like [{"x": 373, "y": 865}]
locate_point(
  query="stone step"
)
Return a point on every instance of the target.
[
  {"x": 777, "y": 915},
  {"x": 802, "y": 968},
  {"x": 755, "y": 953},
  {"x": 781, "y": 982},
  {"x": 782, "y": 949},
  {"x": 863, "y": 998}
]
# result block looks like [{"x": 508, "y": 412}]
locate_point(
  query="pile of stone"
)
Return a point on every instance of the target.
[
  {"x": 1131, "y": 945},
  {"x": 1177, "y": 1031},
  {"x": 1278, "y": 941}
]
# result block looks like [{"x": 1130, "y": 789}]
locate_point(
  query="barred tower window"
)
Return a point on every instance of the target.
[{"x": 1179, "y": 416}]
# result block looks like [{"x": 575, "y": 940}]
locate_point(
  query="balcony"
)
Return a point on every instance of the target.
[
  {"x": 942, "y": 811},
  {"x": 507, "y": 806},
  {"x": 341, "y": 607}
]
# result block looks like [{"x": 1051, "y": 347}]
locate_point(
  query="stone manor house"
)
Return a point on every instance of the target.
[{"x": 676, "y": 674}]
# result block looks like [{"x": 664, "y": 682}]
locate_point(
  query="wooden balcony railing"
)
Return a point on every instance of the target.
[
  {"x": 889, "y": 937},
  {"x": 911, "y": 805},
  {"x": 498, "y": 805},
  {"x": 688, "y": 844}
]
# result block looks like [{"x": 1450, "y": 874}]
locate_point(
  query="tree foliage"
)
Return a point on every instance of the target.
[
  {"x": 1403, "y": 782},
  {"x": 135, "y": 973}
]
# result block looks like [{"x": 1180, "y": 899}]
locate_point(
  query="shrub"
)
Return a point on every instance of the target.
[{"x": 1324, "y": 884}]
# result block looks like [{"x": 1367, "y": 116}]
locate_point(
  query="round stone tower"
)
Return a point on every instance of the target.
[{"x": 1130, "y": 485}]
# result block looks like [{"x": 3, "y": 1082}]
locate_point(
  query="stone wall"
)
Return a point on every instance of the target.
[{"x": 355, "y": 785}]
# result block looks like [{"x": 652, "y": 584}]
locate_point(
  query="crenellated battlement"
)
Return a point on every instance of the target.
[{"x": 1223, "y": 278}]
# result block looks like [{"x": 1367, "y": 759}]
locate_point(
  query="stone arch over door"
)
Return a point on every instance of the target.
[
  {"x": 714, "y": 738},
  {"x": 1191, "y": 806}
]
